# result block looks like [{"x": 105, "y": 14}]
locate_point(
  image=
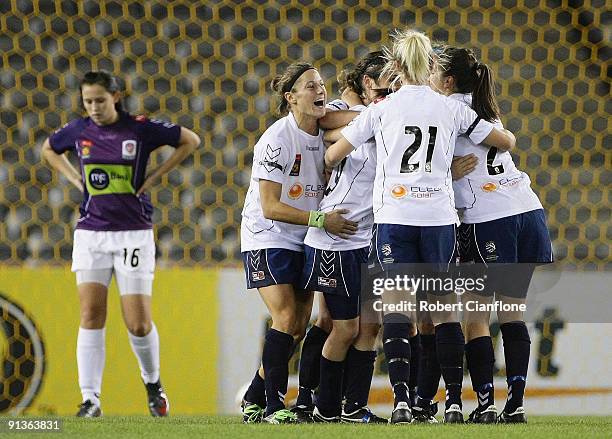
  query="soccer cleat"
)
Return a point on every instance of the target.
[
  {"x": 425, "y": 415},
  {"x": 486, "y": 416},
  {"x": 362, "y": 416},
  {"x": 303, "y": 413},
  {"x": 251, "y": 412},
  {"x": 159, "y": 406},
  {"x": 319, "y": 418},
  {"x": 453, "y": 415},
  {"x": 516, "y": 417},
  {"x": 88, "y": 409},
  {"x": 282, "y": 416},
  {"x": 401, "y": 414}
]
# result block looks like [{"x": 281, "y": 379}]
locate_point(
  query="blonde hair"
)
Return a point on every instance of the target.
[{"x": 410, "y": 56}]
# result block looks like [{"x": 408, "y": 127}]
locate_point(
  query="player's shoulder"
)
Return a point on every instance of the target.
[
  {"x": 337, "y": 105},
  {"x": 143, "y": 120}
]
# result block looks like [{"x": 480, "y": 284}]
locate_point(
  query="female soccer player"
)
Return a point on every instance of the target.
[
  {"x": 333, "y": 265},
  {"x": 114, "y": 233},
  {"x": 415, "y": 130},
  {"x": 287, "y": 184},
  {"x": 503, "y": 223}
]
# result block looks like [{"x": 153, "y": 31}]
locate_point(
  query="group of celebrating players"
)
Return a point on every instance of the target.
[
  {"x": 379, "y": 177},
  {"x": 376, "y": 177}
]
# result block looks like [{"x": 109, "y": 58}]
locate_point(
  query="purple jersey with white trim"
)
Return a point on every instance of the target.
[{"x": 113, "y": 160}]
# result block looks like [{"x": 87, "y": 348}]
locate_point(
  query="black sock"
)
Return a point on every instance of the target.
[
  {"x": 480, "y": 361},
  {"x": 415, "y": 356},
  {"x": 329, "y": 401},
  {"x": 397, "y": 350},
  {"x": 429, "y": 371},
  {"x": 310, "y": 365},
  {"x": 358, "y": 372},
  {"x": 256, "y": 393},
  {"x": 275, "y": 360},
  {"x": 516, "y": 352},
  {"x": 451, "y": 347}
]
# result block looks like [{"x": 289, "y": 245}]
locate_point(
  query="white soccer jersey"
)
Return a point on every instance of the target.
[
  {"x": 349, "y": 187},
  {"x": 415, "y": 130},
  {"x": 496, "y": 188},
  {"x": 287, "y": 155}
]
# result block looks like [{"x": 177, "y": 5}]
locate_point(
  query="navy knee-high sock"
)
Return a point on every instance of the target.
[
  {"x": 358, "y": 372},
  {"x": 480, "y": 361},
  {"x": 451, "y": 347},
  {"x": 396, "y": 345},
  {"x": 516, "y": 352},
  {"x": 275, "y": 361},
  {"x": 256, "y": 393},
  {"x": 415, "y": 356},
  {"x": 329, "y": 401},
  {"x": 310, "y": 365},
  {"x": 429, "y": 371}
]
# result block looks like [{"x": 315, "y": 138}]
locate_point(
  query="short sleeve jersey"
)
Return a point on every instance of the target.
[
  {"x": 113, "y": 160},
  {"x": 293, "y": 158},
  {"x": 350, "y": 187},
  {"x": 496, "y": 188},
  {"x": 415, "y": 130}
]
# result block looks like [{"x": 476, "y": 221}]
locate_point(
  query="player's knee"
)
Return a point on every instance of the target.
[
  {"x": 474, "y": 330},
  {"x": 139, "y": 329},
  {"x": 285, "y": 321},
  {"x": 93, "y": 317}
]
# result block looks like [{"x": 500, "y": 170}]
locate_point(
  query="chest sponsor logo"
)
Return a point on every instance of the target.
[
  {"x": 98, "y": 178},
  {"x": 489, "y": 187},
  {"x": 312, "y": 148},
  {"x": 297, "y": 164},
  {"x": 510, "y": 181},
  {"x": 399, "y": 191},
  {"x": 296, "y": 191},
  {"x": 128, "y": 149}
]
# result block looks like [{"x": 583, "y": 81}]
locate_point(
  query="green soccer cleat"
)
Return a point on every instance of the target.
[
  {"x": 283, "y": 416},
  {"x": 251, "y": 412}
]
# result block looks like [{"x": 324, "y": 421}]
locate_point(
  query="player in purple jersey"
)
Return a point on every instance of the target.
[{"x": 114, "y": 233}]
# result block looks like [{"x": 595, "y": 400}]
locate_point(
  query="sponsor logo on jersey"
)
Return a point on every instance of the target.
[
  {"x": 399, "y": 191},
  {"x": 386, "y": 249},
  {"x": 489, "y": 187},
  {"x": 423, "y": 192},
  {"x": 312, "y": 148},
  {"x": 86, "y": 148},
  {"x": 510, "y": 181},
  {"x": 98, "y": 178},
  {"x": 258, "y": 275},
  {"x": 327, "y": 282},
  {"x": 128, "y": 149},
  {"x": 297, "y": 164},
  {"x": 296, "y": 191}
]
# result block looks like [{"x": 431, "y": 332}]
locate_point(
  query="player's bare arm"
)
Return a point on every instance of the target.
[
  {"x": 188, "y": 143},
  {"x": 60, "y": 163}
]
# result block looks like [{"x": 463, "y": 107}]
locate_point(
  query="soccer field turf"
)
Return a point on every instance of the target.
[{"x": 231, "y": 427}]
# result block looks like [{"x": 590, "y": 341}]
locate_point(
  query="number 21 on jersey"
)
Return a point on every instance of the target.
[{"x": 408, "y": 167}]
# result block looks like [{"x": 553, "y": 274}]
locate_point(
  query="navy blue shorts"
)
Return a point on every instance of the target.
[
  {"x": 273, "y": 266},
  {"x": 400, "y": 244},
  {"x": 337, "y": 274},
  {"x": 507, "y": 250},
  {"x": 521, "y": 238}
]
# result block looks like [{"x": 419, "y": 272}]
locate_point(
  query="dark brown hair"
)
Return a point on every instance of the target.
[
  {"x": 471, "y": 77},
  {"x": 110, "y": 83},
  {"x": 284, "y": 82},
  {"x": 372, "y": 65}
]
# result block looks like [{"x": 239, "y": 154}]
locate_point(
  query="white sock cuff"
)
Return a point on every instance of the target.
[{"x": 92, "y": 336}]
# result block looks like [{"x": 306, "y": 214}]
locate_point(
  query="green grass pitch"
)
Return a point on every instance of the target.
[{"x": 231, "y": 427}]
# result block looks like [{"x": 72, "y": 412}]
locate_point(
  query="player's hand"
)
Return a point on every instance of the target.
[
  {"x": 145, "y": 187},
  {"x": 463, "y": 165},
  {"x": 337, "y": 225}
]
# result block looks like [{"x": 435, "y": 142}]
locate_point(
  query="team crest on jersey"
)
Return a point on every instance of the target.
[
  {"x": 327, "y": 282},
  {"x": 296, "y": 191},
  {"x": 128, "y": 149},
  {"x": 297, "y": 164},
  {"x": 490, "y": 246},
  {"x": 85, "y": 148},
  {"x": 399, "y": 191},
  {"x": 489, "y": 187}
]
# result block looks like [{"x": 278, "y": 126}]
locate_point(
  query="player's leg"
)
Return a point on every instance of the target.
[
  {"x": 359, "y": 368},
  {"x": 310, "y": 358},
  {"x": 134, "y": 263},
  {"x": 438, "y": 250},
  {"x": 428, "y": 379},
  {"x": 93, "y": 268}
]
